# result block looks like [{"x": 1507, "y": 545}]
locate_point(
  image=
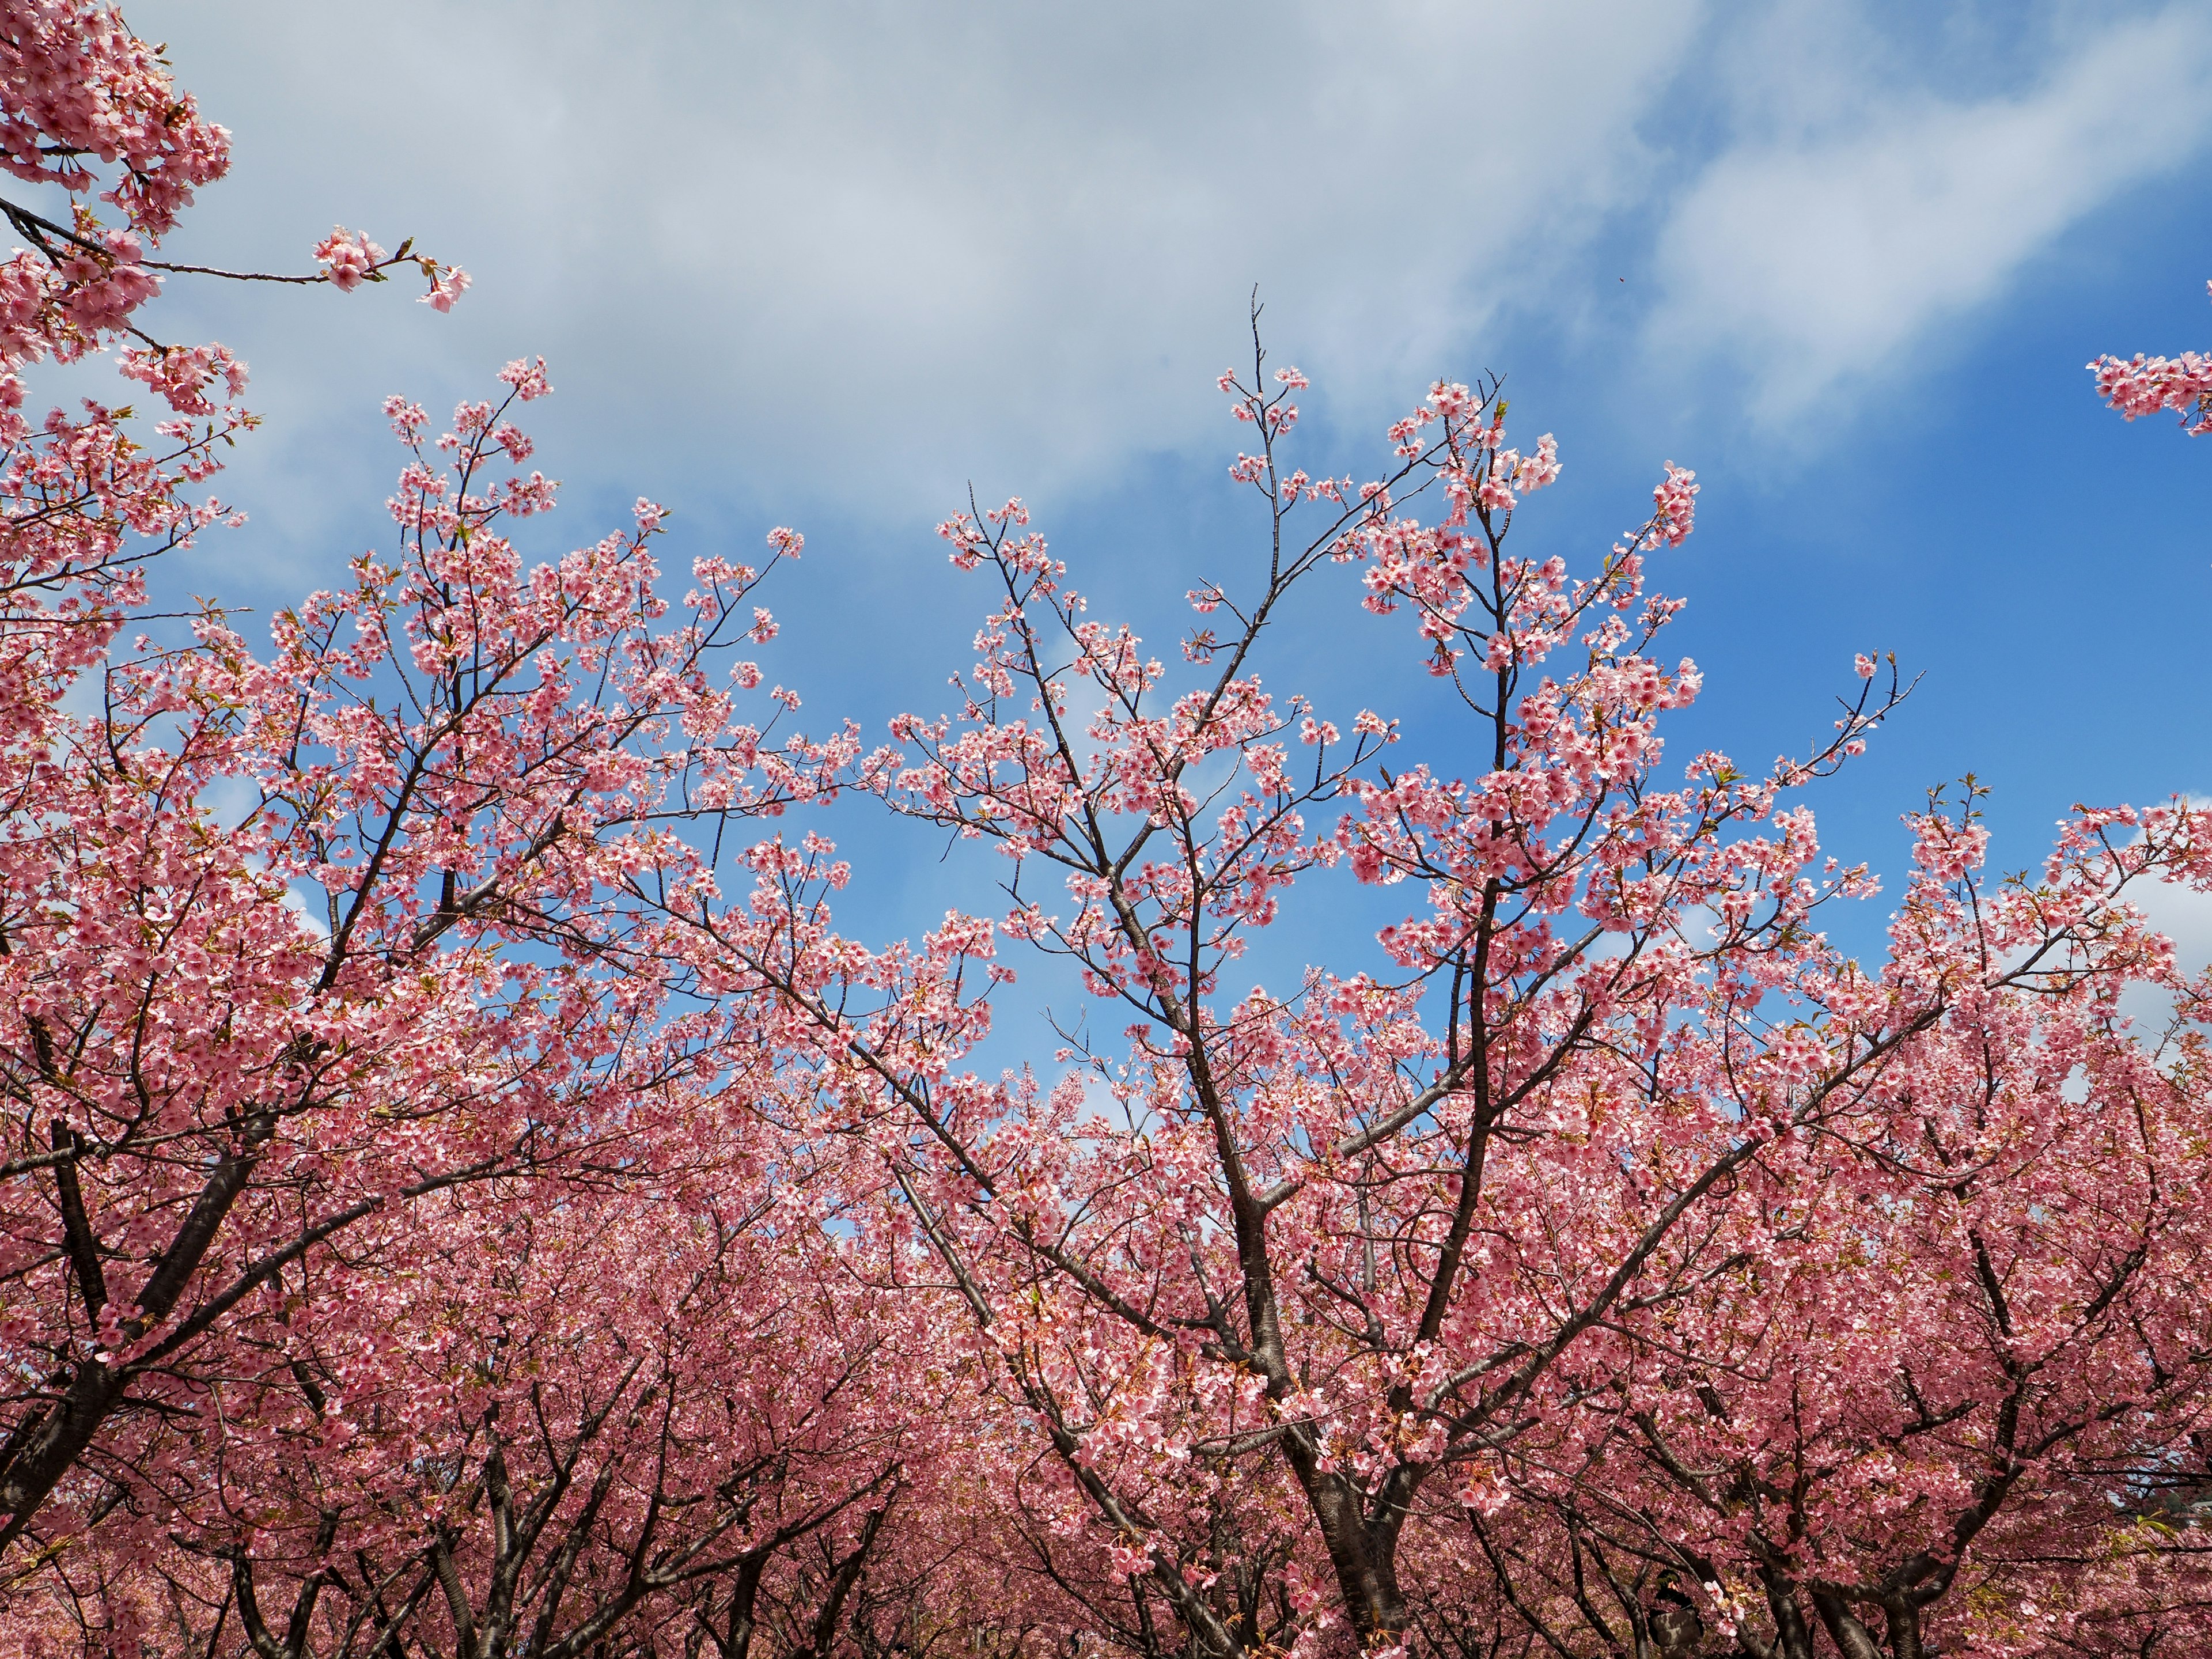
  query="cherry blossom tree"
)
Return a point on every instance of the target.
[
  {"x": 502, "y": 1430},
  {"x": 1962, "y": 1364},
  {"x": 259, "y": 928},
  {"x": 371, "y": 977},
  {"x": 1294, "y": 1279},
  {"x": 88, "y": 110},
  {"x": 296, "y": 943}
]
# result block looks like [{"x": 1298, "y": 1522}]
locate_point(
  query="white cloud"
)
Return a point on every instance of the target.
[
  {"x": 1853, "y": 217},
  {"x": 2183, "y": 915},
  {"x": 870, "y": 249},
  {"x": 863, "y": 253}
]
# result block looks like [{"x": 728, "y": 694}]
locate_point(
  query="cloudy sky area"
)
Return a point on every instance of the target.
[{"x": 827, "y": 264}]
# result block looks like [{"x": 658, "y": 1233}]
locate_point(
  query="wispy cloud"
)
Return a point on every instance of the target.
[
  {"x": 862, "y": 252},
  {"x": 1853, "y": 217}
]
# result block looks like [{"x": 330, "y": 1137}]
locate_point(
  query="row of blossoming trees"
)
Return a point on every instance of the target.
[{"x": 463, "y": 1196}]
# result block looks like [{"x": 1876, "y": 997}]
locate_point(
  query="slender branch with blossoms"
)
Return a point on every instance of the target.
[{"x": 2140, "y": 385}]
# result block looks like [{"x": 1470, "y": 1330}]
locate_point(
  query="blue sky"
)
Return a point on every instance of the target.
[{"x": 824, "y": 265}]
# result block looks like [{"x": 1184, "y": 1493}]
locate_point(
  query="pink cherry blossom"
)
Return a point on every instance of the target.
[
  {"x": 348, "y": 258},
  {"x": 2150, "y": 385}
]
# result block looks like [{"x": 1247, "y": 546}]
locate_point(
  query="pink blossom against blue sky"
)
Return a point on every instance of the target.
[{"x": 825, "y": 265}]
